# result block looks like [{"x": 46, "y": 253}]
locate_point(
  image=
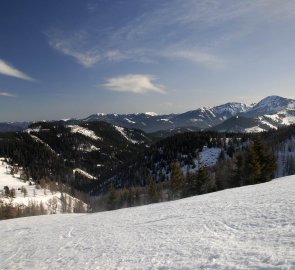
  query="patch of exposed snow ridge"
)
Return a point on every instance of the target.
[
  {"x": 122, "y": 132},
  {"x": 83, "y": 173},
  {"x": 36, "y": 139},
  {"x": 130, "y": 121},
  {"x": 51, "y": 200},
  {"x": 151, "y": 113},
  {"x": 252, "y": 227},
  {"x": 254, "y": 129},
  {"x": 84, "y": 131}
]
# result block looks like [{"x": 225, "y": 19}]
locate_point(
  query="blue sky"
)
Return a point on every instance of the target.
[{"x": 72, "y": 58}]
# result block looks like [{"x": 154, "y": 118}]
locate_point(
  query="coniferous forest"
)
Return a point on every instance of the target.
[{"x": 140, "y": 168}]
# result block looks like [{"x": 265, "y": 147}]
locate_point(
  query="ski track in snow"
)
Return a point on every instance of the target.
[{"x": 251, "y": 227}]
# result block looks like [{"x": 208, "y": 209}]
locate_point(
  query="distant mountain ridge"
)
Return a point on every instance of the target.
[{"x": 270, "y": 112}]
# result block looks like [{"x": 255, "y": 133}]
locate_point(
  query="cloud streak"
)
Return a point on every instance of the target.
[
  {"x": 196, "y": 56},
  {"x": 76, "y": 45},
  {"x": 134, "y": 83},
  {"x": 205, "y": 24},
  {"x": 5, "y": 94},
  {"x": 9, "y": 70}
]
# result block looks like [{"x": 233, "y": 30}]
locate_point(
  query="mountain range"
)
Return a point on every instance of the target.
[{"x": 269, "y": 113}]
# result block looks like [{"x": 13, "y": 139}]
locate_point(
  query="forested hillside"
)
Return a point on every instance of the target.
[
  {"x": 111, "y": 167},
  {"x": 74, "y": 154}
]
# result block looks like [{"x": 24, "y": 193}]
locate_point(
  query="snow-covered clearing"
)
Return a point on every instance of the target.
[
  {"x": 36, "y": 139},
  {"x": 251, "y": 227},
  {"x": 254, "y": 130},
  {"x": 209, "y": 156},
  {"x": 86, "y": 148},
  {"x": 83, "y": 173},
  {"x": 123, "y": 133},
  {"x": 51, "y": 200},
  {"x": 84, "y": 131},
  {"x": 129, "y": 121}
]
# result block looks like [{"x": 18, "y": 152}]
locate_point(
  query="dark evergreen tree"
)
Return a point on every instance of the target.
[
  {"x": 260, "y": 164},
  {"x": 238, "y": 171},
  {"x": 176, "y": 180},
  {"x": 205, "y": 181},
  {"x": 112, "y": 198},
  {"x": 153, "y": 194}
]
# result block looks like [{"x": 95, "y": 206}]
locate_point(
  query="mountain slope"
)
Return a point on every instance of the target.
[
  {"x": 271, "y": 105},
  {"x": 150, "y": 122},
  {"x": 75, "y": 154},
  {"x": 241, "y": 124},
  {"x": 254, "y": 229},
  {"x": 18, "y": 192},
  {"x": 272, "y": 112}
]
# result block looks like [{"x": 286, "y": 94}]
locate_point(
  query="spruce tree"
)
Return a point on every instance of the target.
[
  {"x": 205, "y": 183},
  {"x": 260, "y": 164},
  {"x": 176, "y": 181},
  {"x": 112, "y": 198},
  {"x": 153, "y": 195},
  {"x": 237, "y": 178},
  {"x": 191, "y": 186}
]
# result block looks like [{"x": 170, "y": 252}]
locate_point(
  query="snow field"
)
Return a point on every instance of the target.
[
  {"x": 252, "y": 227},
  {"x": 35, "y": 194},
  {"x": 84, "y": 131}
]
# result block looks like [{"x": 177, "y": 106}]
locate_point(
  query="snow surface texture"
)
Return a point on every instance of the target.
[{"x": 251, "y": 227}]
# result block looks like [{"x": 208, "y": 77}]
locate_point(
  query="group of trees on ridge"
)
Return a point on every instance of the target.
[{"x": 253, "y": 166}]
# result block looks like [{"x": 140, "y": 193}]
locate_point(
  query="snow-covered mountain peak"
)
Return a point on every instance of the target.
[
  {"x": 273, "y": 104},
  {"x": 231, "y": 108},
  {"x": 151, "y": 113}
]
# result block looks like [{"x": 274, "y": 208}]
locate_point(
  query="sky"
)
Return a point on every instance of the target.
[{"x": 71, "y": 58}]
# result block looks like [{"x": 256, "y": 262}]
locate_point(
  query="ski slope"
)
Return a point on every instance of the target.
[{"x": 251, "y": 227}]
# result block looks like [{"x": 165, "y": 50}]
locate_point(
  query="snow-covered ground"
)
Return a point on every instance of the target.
[
  {"x": 84, "y": 131},
  {"x": 251, "y": 227},
  {"x": 209, "y": 156},
  {"x": 51, "y": 200},
  {"x": 123, "y": 133},
  {"x": 83, "y": 173}
]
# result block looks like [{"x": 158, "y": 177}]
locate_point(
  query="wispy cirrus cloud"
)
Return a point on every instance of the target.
[
  {"x": 197, "y": 56},
  {"x": 6, "y": 94},
  {"x": 207, "y": 24},
  {"x": 74, "y": 46},
  {"x": 134, "y": 83},
  {"x": 9, "y": 70}
]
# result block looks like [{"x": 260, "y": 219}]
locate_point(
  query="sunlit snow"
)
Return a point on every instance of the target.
[
  {"x": 251, "y": 227},
  {"x": 84, "y": 131}
]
